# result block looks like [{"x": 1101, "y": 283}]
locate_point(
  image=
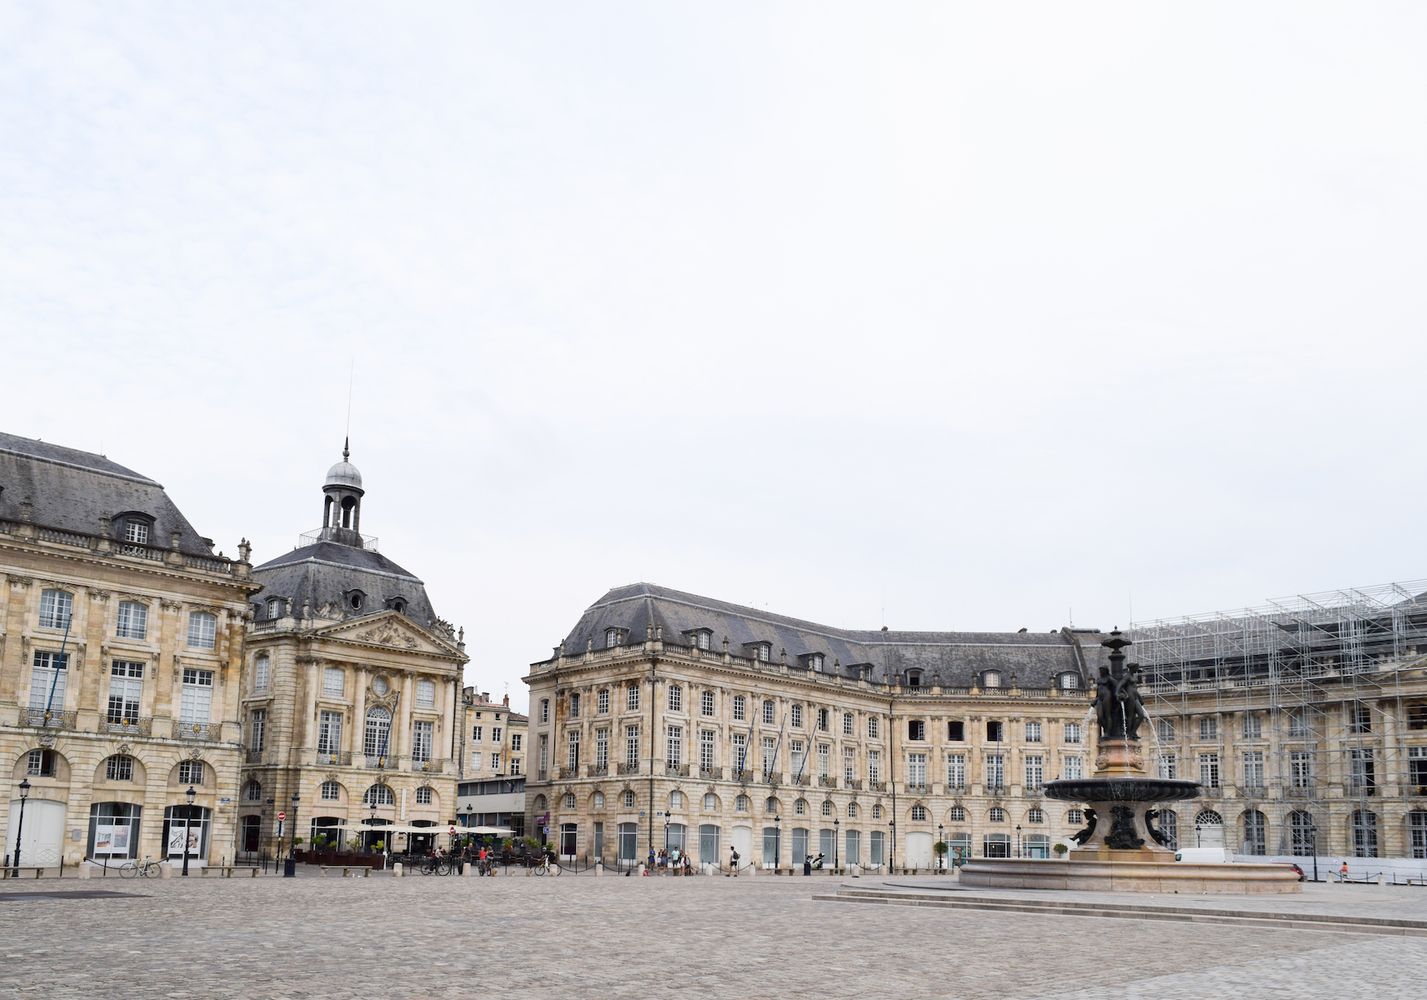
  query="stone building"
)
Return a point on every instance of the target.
[
  {"x": 491, "y": 794},
  {"x": 668, "y": 718},
  {"x": 121, "y": 637},
  {"x": 351, "y": 707}
]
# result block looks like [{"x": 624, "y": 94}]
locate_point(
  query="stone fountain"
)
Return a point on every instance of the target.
[{"x": 1121, "y": 848}]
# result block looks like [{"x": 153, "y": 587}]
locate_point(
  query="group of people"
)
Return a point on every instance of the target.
[{"x": 670, "y": 861}]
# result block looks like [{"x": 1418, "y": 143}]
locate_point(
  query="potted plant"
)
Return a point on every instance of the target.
[
  {"x": 1060, "y": 849},
  {"x": 941, "y": 847}
]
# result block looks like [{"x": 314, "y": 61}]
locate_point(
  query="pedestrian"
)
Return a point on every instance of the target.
[
  {"x": 687, "y": 866},
  {"x": 1343, "y": 872},
  {"x": 733, "y": 861}
]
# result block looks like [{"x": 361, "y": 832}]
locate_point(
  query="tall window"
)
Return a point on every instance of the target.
[
  {"x": 1209, "y": 727},
  {"x": 1301, "y": 833},
  {"x": 1359, "y": 719},
  {"x": 1209, "y": 770},
  {"x": 740, "y": 708},
  {"x": 1364, "y": 834},
  {"x": 333, "y": 682},
  {"x": 191, "y": 772},
  {"x": 1417, "y": 833},
  {"x": 544, "y": 710},
  {"x": 1253, "y": 768},
  {"x": 329, "y": 736},
  {"x": 917, "y": 769},
  {"x": 425, "y": 694},
  {"x": 126, "y": 688},
  {"x": 422, "y": 736},
  {"x": 1253, "y": 726},
  {"x": 1035, "y": 772},
  {"x": 1300, "y": 769},
  {"x": 1168, "y": 765},
  {"x": 601, "y": 749},
  {"x": 995, "y": 770},
  {"x": 602, "y": 701},
  {"x": 798, "y": 759},
  {"x": 849, "y": 765},
  {"x": 768, "y": 713},
  {"x": 202, "y": 630},
  {"x": 611, "y": 638},
  {"x": 119, "y": 768},
  {"x": 48, "y": 677},
  {"x": 1362, "y": 774},
  {"x": 1074, "y": 768},
  {"x": 706, "y": 704},
  {"x": 574, "y": 704},
  {"x": 847, "y": 724},
  {"x": 1255, "y": 833},
  {"x": 706, "y": 749},
  {"x": 1073, "y": 732},
  {"x": 196, "y": 706},
  {"x": 262, "y": 673},
  {"x": 133, "y": 620},
  {"x": 1033, "y": 732},
  {"x": 376, "y": 739},
  {"x": 770, "y": 756},
  {"x": 1164, "y": 728},
  {"x": 674, "y": 746},
  {"x": 874, "y": 766},
  {"x": 257, "y": 729},
  {"x": 823, "y": 754},
  {"x": 956, "y": 770},
  {"x": 1297, "y": 724},
  {"x": 740, "y": 750},
  {"x": 874, "y": 728},
  {"x": 572, "y": 749},
  {"x": 676, "y": 698},
  {"x": 631, "y": 696},
  {"x": 56, "y": 609},
  {"x": 631, "y": 746},
  {"x": 544, "y": 752},
  {"x": 797, "y": 716}
]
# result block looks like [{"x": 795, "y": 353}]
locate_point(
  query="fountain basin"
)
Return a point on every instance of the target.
[{"x": 1121, "y": 789}]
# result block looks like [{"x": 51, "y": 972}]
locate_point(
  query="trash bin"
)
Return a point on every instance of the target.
[{"x": 289, "y": 867}]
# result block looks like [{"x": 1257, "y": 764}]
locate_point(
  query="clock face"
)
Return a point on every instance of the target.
[{"x": 380, "y": 685}]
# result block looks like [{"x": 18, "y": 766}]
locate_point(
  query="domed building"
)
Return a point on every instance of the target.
[{"x": 352, "y": 712}]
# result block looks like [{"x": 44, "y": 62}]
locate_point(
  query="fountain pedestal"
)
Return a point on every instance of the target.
[{"x": 1121, "y": 847}]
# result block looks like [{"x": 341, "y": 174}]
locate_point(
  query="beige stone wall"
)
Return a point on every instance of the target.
[
  {"x": 648, "y": 790},
  {"x": 78, "y": 731},
  {"x": 382, "y": 659}
]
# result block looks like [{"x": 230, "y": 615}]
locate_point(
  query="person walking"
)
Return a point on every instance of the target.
[
  {"x": 1343, "y": 872},
  {"x": 733, "y": 861}
]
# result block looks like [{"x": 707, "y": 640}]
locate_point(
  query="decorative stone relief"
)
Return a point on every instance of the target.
[{"x": 388, "y": 634}]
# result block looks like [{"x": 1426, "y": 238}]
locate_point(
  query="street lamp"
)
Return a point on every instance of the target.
[
  {"x": 372, "y": 824},
  {"x": 892, "y": 847},
  {"x": 187, "y": 825},
  {"x": 777, "y": 841},
  {"x": 941, "y": 839},
  {"x": 20, "y": 826},
  {"x": 836, "y": 823},
  {"x": 1018, "y": 840},
  {"x": 1312, "y": 833}
]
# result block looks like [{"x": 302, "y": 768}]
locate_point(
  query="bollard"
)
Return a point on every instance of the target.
[
  {"x": 165, "y": 870},
  {"x": 83, "y": 870},
  {"x": 466, "y": 870},
  {"x": 599, "y": 869},
  {"x": 396, "y": 870}
]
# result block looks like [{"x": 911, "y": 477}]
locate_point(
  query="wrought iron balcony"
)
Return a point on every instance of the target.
[
  {"x": 711, "y": 773},
  {"x": 827, "y": 781},
  {"x": 196, "y": 731},
  {"x": 42, "y": 719},
  {"x": 628, "y": 767},
  {"x": 597, "y": 770},
  {"x": 343, "y": 759},
  {"x": 136, "y": 726}
]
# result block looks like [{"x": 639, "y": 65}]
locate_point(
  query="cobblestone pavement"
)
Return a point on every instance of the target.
[{"x": 577, "y": 937}]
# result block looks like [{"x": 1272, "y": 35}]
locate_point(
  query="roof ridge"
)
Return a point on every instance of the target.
[{"x": 110, "y": 468}]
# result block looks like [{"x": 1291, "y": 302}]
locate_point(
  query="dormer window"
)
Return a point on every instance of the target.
[
  {"x": 815, "y": 661},
  {"x": 1069, "y": 682},
  {"x": 991, "y": 679},
  {"x": 133, "y": 528},
  {"x": 763, "y": 652},
  {"x": 356, "y": 600},
  {"x": 275, "y": 607},
  {"x": 700, "y": 638},
  {"x": 914, "y": 678},
  {"x": 137, "y": 532},
  {"x": 397, "y": 604},
  {"x": 613, "y": 637}
]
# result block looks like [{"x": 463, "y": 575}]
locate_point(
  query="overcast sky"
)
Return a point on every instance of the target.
[{"x": 944, "y": 316}]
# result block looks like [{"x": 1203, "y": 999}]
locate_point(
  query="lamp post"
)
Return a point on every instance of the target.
[
  {"x": 372, "y": 823},
  {"x": 187, "y": 825},
  {"x": 836, "y": 824},
  {"x": 1312, "y": 833},
  {"x": 292, "y": 841},
  {"x": 892, "y": 845},
  {"x": 941, "y": 839},
  {"x": 470, "y": 808},
  {"x": 20, "y": 826},
  {"x": 1018, "y": 840},
  {"x": 777, "y": 841}
]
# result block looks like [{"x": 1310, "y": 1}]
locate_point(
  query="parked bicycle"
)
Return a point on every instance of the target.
[
  {"x": 139, "y": 869},
  {"x": 436, "y": 865},
  {"x": 546, "y": 867}
]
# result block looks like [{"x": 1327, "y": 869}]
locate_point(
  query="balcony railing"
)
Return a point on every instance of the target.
[
  {"x": 876, "y": 786},
  {"x": 139, "y": 726},
  {"x": 827, "y": 781},
  {"x": 676, "y": 770},
  {"x": 995, "y": 789},
  {"x": 772, "y": 779},
  {"x": 253, "y": 757},
  {"x": 432, "y": 766},
  {"x": 802, "y": 780},
  {"x": 711, "y": 773},
  {"x": 567, "y": 773},
  {"x": 628, "y": 767},
  {"x": 918, "y": 788},
  {"x": 42, "y": 719},
  {"x": 343, "y": 759},
  {"x": 196, "y": 731},
  {"x": 1301, "y": 792},
  {"x": 855, "y": 784},
  {"x": 742, "y": 776},
  {"x": 956, "y": 789},
  {"x": 597, "y": 770},
  {"x": 382, "y": 762}
]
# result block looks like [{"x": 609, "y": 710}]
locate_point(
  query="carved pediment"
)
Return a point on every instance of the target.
[{"x": 391, "y": 630}]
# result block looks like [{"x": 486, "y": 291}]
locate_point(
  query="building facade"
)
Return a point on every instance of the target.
[
  {"x": 668, "y": 719},
  {"x": 351, "y": 705},
  {"x": 121, "y": 638}
]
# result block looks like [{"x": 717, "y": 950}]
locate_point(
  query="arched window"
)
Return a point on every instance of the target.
[
  {"x": 331, "y": 791},
  {"x": 568, "y": 802},
  {"x": 919, "y": 814},
  {"x": 120, "y": 767},
  {"x": 877, "y": 810},
  {"x": 56, "y": 609},
  {"x": 914, "y": 678},
  {"x": 957, "y": 814},
  {"x": 628, "y": 799},
  {"x": 800, "y": 807},
  {"x": 852, "y": 810},
  {"x": 379, "y": 795},
  {"x": 1169, "y": 828},
  {"x": 275, "y": 607},
  {"x": 1302, "y": 833},
  {"x": 253, "y": 792},
  {"x": 996, "y": 815},
  {"x": 1035, "y": 814},
  {"x": 1255, "y": 833},
  {"x": 611, "y": 638},
  {"x": 771, "y": 806},
  {"x": 262, "y": 673},
  {"x": 740, "y": 804},
  {"x": 676, "y": 800},
  {"x": 710, "y": 802},
  {"x": 424, "y": 796},
  {"x": 597, "y": 800},
  {"x": 1364, "y": 833},
  {"x": 376, "y": 741},
  {"x": 826, "y": 808}
]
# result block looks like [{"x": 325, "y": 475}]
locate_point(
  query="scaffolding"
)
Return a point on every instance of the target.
[{"x": 1327, "y": 689}]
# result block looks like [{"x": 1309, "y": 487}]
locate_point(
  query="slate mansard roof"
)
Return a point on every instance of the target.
[
  {"x": 945, "y": 658},
  {"x": 71, "y": 490},
  {"x": 324, "y": 574}
]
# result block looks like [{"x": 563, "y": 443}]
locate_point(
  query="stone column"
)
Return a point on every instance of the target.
[
  {"x": 13, "y": 663},
  {"x": 166, "y": 709},
  {"x": 90, "y": 661},
  {"x": 304, "y": 730},
  {"x": 359, "y": 713},
  {"x": 448, "y": 693},
  {"x": 401, "y": 745}
]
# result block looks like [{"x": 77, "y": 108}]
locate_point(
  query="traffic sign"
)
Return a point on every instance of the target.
[{"x": 281, "y": 816}]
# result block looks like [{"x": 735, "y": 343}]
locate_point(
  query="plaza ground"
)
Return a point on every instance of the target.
[{"x": 577, "y": 937}]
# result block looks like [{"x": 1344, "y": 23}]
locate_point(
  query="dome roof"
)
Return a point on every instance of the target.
[{"x": 344, "y": 474}]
